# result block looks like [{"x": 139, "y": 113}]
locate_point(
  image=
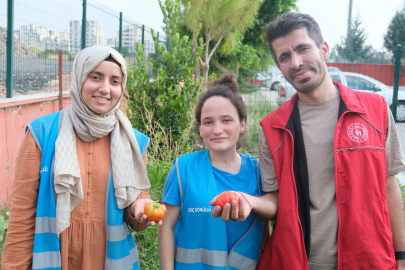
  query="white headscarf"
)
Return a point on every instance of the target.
[{"x": 128, "y": 169}]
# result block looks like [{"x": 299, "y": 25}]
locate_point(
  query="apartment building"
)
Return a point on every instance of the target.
[{"x": 94, "y": 34}]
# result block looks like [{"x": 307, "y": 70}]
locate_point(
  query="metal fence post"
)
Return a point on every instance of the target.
[
  {"x": 143, "y": 34},
  {"x": 396, "y": 81},
  {"x": 60, "y": 80},
  {"x": 10, "y": 48},
  {"x": 120, "y": 35},
  {"x": 157, "y": 54},
  {"x": 168, "y": 44},
  {"x": 84, "y": 22}
]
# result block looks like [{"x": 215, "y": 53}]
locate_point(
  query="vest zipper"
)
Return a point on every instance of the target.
[{"x": 361, "y": 147}]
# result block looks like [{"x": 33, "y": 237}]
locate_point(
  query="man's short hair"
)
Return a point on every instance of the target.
[{"x": 289, "y": 22}]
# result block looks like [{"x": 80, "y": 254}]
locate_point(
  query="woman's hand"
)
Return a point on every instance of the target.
[
  {"x": 233, "y": 211},
  {"x": 137, "y": 210}
]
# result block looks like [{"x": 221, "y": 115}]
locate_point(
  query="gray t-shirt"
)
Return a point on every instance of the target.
[{"x": 318, "y": 122}]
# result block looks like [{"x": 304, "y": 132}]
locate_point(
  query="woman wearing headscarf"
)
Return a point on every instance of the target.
[{"x": 80, "y": 178}]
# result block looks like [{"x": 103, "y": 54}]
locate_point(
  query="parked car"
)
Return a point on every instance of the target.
[
  {"x": 272, "y": 76},
  {"x": 354, "y": 81}
]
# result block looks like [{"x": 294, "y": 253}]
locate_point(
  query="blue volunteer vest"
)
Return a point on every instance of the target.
[
  {"x": 120, "y": 245},
  {"x": 200, "y": 239}
]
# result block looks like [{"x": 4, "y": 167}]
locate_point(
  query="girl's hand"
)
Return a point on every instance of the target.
[{"x": 137, "y": 210}]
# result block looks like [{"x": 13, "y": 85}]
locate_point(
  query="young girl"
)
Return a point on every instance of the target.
[
  {"x": 78, "y": 173},
  {"x": 190, "y": 238}
]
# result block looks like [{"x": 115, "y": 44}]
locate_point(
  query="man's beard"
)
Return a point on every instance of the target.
[{"x": 318, "y": 69}]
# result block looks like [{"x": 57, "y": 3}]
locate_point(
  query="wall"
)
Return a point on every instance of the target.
[
  {"x": 15, "y": 115},
  {"x": 382, "y": 73}
]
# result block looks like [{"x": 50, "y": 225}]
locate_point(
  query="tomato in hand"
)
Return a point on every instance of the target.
[
  {"x": 226, "y": 197},
  {"x": 154, "y": 211}
]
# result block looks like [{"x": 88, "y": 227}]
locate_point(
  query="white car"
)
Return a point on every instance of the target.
[{"x": 354, "y": 81}]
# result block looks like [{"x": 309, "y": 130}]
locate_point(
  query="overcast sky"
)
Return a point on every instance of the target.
[{"x": 330, "y": 15}]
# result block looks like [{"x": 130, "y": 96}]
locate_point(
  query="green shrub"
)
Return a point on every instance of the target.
[
  {"x": 147, "y": 245},
  {"x": 157, "y": 173},
  {"x": 163, "y": 146},
  {"x": 146, "y": 241},
  {"x": 4, "y": 215},
  {"x": 3, "y": 227},
  {"x": 172, "y": 91},
  {"x": 165, "y": 98},
  {"x": 162, "y": 108}
]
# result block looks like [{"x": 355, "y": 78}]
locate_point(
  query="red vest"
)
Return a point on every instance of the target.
[{"x": 364, "y": 236}]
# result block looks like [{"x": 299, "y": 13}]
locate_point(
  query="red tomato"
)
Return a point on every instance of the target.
[
  {"x": 226, "y": 197},
  {"x": 154, "y": 211}
]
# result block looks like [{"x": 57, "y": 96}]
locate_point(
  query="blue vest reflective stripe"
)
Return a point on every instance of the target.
[
  {"x": 194, "y": 249},
  {"x": 121, "y": 248}
]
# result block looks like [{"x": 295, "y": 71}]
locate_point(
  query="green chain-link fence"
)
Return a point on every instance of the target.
[{"x": 43, "y": 27}]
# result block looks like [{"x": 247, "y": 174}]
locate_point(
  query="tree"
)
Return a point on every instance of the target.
[
  {"x": 219, "y": 20},
  {"x": 269, "y": 11},
  {"x": 168, "y": 99},
  {"x": 242, "y": 59},
  {"x": 353, "y": 47},
  {"x": 251, "y": 55},
  {"x": 396, "y": 32}
]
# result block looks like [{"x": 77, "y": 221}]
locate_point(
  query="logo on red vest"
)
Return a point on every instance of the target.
[{"x": 357, "y": 132}]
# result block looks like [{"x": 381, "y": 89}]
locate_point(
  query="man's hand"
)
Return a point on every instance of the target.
[
  {"x": 137, "y": 210},
  {"x": 233, "y": 211}
]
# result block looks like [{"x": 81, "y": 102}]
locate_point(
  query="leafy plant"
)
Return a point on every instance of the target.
[
  {"x": 243, "y": 59},
  {"x": 162, "y": 144},
  {"x": 3, "y": 227},
  {"x": 157, "y": 173},
  {"x": 219, "y": 21},
  {"x": 161, "y": 107},
  {"x": 162, "y": 150},
  {"x": 172, "y": 91},
  {"x": 147, "y": 245},
  {"x": 146, "y": 241},
  {"x": 4, "y": 215},
  {"x": 268, "y": 11}
]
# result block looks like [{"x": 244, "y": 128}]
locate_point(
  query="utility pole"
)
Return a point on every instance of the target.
[{"x": 349, "y": 20}]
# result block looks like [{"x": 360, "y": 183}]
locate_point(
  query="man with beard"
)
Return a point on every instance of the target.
[{"x": 328, "y": 160}]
